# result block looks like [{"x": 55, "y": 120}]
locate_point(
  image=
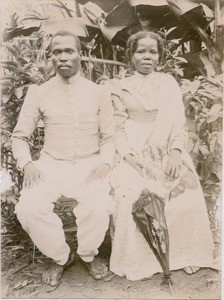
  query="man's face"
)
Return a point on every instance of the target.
[{"x": 65, "y": 56}]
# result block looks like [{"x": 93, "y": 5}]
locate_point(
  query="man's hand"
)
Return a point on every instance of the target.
[
  {"x": 98, "y": 173},
  {"x": 135, "y": 163},
  {"x": 173, "y": 164},
  {"x": 32, "y": 175}
]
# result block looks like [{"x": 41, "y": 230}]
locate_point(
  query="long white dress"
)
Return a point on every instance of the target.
[{"x": 150, "y": 121}]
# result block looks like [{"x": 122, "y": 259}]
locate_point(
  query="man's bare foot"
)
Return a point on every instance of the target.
[
  {"x": 97, "y": 269},
  {"x": 191, "y": 270},
  {"x": 53, "y": 275}
]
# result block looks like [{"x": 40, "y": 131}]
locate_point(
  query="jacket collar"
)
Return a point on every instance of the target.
[{"x": 69, "y": 80}]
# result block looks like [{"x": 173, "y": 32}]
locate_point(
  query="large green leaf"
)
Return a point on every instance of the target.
[
  {"x": 10, "y": 33},
  {"x": 10, "y": 63},
  {"x": 12, "y": 49},
  {"x": 214, "y": 113},
  {"x": 10, "y": 67},
  {"x": 5, "y": 98},
  {"x": 8, "y": 77},
  {"x": 18, "y": 92},
  {"x": 5, "y": 82},
  {"x": 180, "y": 7},
  {"x": 206, "y": 94},
  {"x": 204, "y": 150}
]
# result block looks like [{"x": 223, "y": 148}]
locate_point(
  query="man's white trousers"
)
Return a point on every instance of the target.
[{"x": 35, "y": 208}]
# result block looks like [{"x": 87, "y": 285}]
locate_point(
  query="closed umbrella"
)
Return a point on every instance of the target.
[{"x": 148, "y": 214}]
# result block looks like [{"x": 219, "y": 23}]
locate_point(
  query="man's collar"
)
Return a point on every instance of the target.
[{"x": 68, "y": 80}]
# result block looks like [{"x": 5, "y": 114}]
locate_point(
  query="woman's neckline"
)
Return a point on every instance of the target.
[{"x": 144, "y": 76}]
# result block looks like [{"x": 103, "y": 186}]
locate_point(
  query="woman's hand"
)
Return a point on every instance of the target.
[
  {"x": 32, "y": 175},
  {"x": 98, "y": 173},
  {"x": 173, "y": 164},
  {"x": 135, "y": 163}
]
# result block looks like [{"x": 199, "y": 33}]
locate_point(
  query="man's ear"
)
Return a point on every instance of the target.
[{"x": 80, "y": 54}]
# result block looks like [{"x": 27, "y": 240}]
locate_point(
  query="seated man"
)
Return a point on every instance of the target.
[{"x": 75, "y": 160}]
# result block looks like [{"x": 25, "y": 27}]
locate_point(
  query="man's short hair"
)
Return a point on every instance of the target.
[{"x": 67, "y": 33}]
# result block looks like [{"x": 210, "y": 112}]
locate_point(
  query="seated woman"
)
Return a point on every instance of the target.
[{"x": 151, "y": 139}]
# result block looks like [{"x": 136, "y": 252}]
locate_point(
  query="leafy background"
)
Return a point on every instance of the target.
[{"x": 193, "y": 56}]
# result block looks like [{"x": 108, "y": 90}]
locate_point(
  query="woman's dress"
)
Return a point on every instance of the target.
[{"x": 150, "y": 120}]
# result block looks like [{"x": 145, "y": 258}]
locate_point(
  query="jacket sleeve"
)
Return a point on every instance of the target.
[
  {"x": 28, "y": 119},
  {"x": 106, "y": 127},
  {"x": 120, "y": 116}
]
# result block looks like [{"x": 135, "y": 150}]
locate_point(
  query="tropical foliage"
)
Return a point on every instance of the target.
[
  {"x": 204, "y": 111},
  {"x": 26, "y": 61}
]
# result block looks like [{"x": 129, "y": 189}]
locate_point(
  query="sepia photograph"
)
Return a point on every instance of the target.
[{"x": 112, "y": 149}]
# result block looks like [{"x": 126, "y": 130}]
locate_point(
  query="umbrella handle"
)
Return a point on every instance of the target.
[
  {"x": 153, "y": 188},
  {"x": 144, "y": 175}
]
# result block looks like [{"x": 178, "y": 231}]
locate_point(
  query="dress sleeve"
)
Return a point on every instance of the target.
[
  {"x": 179, "y": 134},
  {"x": 28, "y": 120},
  {"x": 120, "y": 116},
  {"x": 106, "y": 127}
]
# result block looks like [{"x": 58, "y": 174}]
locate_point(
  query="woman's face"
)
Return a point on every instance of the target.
[{"x": 146, "y": 55}]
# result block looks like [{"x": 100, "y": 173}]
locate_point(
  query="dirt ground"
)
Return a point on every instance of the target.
[{"x": 22, "y": 268}]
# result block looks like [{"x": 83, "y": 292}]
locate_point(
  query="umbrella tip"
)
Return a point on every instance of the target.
[
  {"x": 168, "y": 282},
  {"x": 171, "y": 289}
]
